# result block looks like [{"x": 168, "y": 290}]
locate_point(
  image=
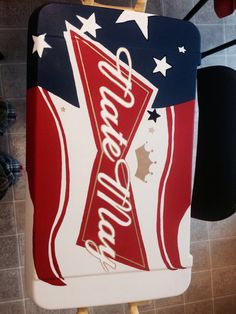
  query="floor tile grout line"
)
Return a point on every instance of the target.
[
  {"x": 19, "y": 201},
  {"x": 224, "y": 238},
  {"x": 16, "y": 98},
  {"x": 187, "y": 303},
  {"x": 224, "y": 267},
  {"x": 211, "y": 273},
  {"x": 163, "y": 7},
  {"x": 17, "y": 133},
  {"x": 224, "y": 35},
  {"x": 10, "y": 268},
  {"x": 2, "y": 64},
  {"x": 208, "y": 24},
  {"x": 18, "y": 252},
  {"x": 8, "y": 235},
  {"x": 1, "y": 85},
  {"x": 10, "y": 202},
  {"x": 123, "y": 308},
  {"x": 225, "y": 296},
  {"x": 13, "y": 28},
  {"x": 20, "y": 234},
  {"x": 12, "y": 301},
  {"x": 2, "y": 236},
  {"x": 207, "y": 269},
  {"x": 214, "y": 239},
  {"x": 214, "y": 268},
  {"x": 199, "y": 301}
]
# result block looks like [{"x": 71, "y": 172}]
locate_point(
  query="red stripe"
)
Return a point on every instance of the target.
[
  {"x": 44, "y": 173},
  {"x": 160, "y": 192},
  {"x": 67, "y": 192},
  {"x": 177, "y": 196}
]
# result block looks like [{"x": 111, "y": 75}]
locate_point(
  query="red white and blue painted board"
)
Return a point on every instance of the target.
[{"x": 110, "y": 118}]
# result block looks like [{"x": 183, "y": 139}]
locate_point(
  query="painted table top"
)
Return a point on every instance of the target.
[{"x": 110, "y": 117}]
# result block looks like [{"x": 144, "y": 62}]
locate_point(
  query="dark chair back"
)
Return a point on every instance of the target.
[{"x": 214, "y": 192}]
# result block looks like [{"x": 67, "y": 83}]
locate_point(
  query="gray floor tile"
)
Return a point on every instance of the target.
[
  {"x": 177, "y": 309},
  {"x": 223, "y": 229},
  {"x": 10, "y": 288},
  {"x": 146, "y": 307},
  {"x": 155, "y": 7},
  {"x": 19, "y": 189},
  {"x": 13, "y": 45},
  {"x": 177, "y": 8},
  {"x": 231, "y": 61},
  {"x": 25, "y": 293},
  {"x": 1, "y": 85},
  {"x": 211, "y": 36},
  {"x": 202, "y": 307},
  {"x": 4, "y": 143},
  {"x": 19, "y": 124},
  {"x": 213, "y": 60},
  {"x": 71, "y": 311},
  {"x": 7, "y": 219},
  {"x": 198, "y": 230},
  {"x": 207, "y": 15},
  {"x": 32, "y": 308},
  {"x": 21, "y": 242},
  {"x": 8, "y": 197},
  {"x": 230, "y": 34},
  {"x": 37, "y": 3},
  {"x": 177, "y": 300},
  {"x": 8, "y": 252},
  {"x": 224, "y": 281},
  {"x": 231, "y": 19},
  {"x": 20, "y": 216},
  {"x": 112, "y": 309},
  {"x": 225, "y": 305},
  {"x": 17, "y": 147},
  {"x": 14, "y": 80},
  {"x": 16, "y": 307},
  {"x": 14, "y": 13}
]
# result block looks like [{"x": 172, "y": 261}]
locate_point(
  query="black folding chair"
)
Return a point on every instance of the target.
[{"x": 214, "y": 191}]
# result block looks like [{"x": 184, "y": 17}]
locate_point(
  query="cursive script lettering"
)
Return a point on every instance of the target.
[
  {"x": 115, "y": 192},
  {"x": 106, "y": 232},
  {"x": 109, "y": 111}
]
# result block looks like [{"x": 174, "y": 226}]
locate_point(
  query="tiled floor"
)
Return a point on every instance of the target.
[{"x": 213, "y": 245}]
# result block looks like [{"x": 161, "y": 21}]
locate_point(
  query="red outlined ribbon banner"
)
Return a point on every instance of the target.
[{"x": 116, "y": 100}]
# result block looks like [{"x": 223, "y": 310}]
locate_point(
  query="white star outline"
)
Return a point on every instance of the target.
[
  {"x": 40, "y": 44},
  {"x": 182, "y": 49},
  {"x": 139, "y": 17},
  {"x": 161, "y": 66},
  {"x": 89, "y": 25}
]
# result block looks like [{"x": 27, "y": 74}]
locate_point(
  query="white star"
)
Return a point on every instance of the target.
[
  {"x": 140, "y": 18},
  {"x": 182, "y": 49},
  {"x": 89, "y": 25},
  {"x": 40, "y": 44},
  {"x": 161, "y": 66}
]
